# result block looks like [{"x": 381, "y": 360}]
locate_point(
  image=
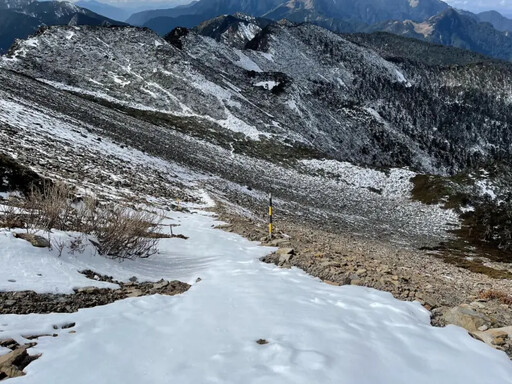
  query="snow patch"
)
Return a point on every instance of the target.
[
  {"x": 316, "y": 333},
  {"x": 268, "y": 85},
  {"x": 401, "y": 78},
  {"x": 394, "y": 183},
  {"x": 486, "y": 188},
  {"x": 246, "y": 63}
]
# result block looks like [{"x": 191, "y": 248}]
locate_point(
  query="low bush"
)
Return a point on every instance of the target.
[
  {"x": 119, "y": 232},
  {"x": 124, "y": 233}
]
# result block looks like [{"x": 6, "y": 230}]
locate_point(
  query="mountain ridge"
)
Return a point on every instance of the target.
[
  {"x": 297, "y": 83},
  {"x": 22, "y": 18},
  {"x": 430, "y": 20},
  {"x": 455, "y": 29}
]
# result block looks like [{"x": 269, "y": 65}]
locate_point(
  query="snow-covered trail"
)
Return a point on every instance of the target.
[{"x": 316, "y": 333}]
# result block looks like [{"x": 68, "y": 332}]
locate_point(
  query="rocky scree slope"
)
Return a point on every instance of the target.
[{"x": 117, "y": 152}]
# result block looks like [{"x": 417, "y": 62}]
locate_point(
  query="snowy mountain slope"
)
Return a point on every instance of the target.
[
  {"x": 234, "y": 30},
  {"x": 308, "y": 331},
  {"x": 294, "y": 84},
  {"x": 62, "y": 139},
  {"x": 48, "y": 271}
]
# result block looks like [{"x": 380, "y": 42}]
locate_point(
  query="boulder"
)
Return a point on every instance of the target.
[
  {"x": 35, "y": 240},
  {"x": 494, "y": 337},
  {"x": 160, "y": 284},
  {"x": 285, "y": 254},
  {"x": 466, "y": 318},
  {"x": 279, "y": 243},
  {"x": 10, "y": 363}
]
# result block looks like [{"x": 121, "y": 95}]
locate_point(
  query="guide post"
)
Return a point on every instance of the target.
[{"x": 270, "y": 216}]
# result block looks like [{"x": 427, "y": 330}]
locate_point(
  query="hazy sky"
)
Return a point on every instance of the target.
[{"x": 504, "y": 6}]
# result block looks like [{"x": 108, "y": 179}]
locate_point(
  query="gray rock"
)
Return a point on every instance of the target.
[
  {"x": 9, "y": 303},
  {"x": 466, "y": 318},
  {"x": 285, "y": 251},
  {"x": 279, "y": 243},
  {"x": 160, "y": 284},
  {"x": 35, "y": 240}
]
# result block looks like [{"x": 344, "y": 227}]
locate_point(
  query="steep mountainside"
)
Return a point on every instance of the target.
[
  {"x": 14, "y": 25},
  {"x": 236, "y": 30},
  {"x": 454, "y": 29},
  {"x": 15, "y": 4},
  {"x": 299, "y": 84},
  {"x": 398, "y": 48},
  {"x": 19, "y": 19}
]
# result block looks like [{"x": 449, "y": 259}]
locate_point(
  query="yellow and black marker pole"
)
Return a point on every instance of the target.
[{"x": 270, "y": 216}]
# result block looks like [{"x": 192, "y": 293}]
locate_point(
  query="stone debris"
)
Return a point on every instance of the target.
[
  {"x": 31, "y": 302},
  {"x": 13, "y": 363},
  {"x": 498, "y": 338}
]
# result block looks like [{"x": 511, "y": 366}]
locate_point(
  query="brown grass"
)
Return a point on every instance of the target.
[{"x": 496, "y": 295}]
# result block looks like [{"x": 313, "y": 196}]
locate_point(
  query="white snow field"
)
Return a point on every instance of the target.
[{"x": 316, "y": 333}]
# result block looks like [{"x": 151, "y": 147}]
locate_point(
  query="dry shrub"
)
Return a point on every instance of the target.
[
  {"x": 120, "y": 231},
  {"x": 48, "y": 208},
  {"x": 496, "y": 295},
  {"x": 11, "y": 217},
  {"x": 123, "y": 233}
]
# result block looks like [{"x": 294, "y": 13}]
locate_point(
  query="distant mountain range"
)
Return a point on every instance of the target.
[
  {"x": 21, "y": 18},
  {"x": 429, "y": 20},
  {"x": 107, "y": 10},
  {"x": 498, "y": 21},
  {"x": 434, "y": 21},
  {"x": 363, "y": 11},
  {"x": 454, "y": 29},
  {"x": 126, "y": 8}
]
